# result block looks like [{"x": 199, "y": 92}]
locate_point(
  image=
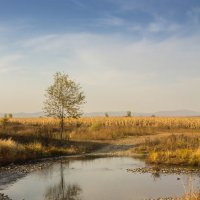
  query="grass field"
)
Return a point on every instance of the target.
[
  {"x": 159, "y": 122},
  {"x": 30, "y": 138}
]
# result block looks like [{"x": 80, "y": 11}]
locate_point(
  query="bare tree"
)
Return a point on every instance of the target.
[{"x": 63, "y": 99}]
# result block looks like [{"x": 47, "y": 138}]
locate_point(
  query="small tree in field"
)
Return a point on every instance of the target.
[
  {"x": 10, "y": 115},
  {"x": 4, "y": 121},
  {"x": 63, "y": 99},
  {"x": 106, "y": 114},
  {"x": 128, "y": 114}
]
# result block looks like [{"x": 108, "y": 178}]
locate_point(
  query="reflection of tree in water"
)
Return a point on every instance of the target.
[
  {"x": 156, "y": 176},
  {"x": 61, "y": 191}
]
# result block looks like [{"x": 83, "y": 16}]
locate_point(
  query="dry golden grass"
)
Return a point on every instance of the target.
[
  {"x": 161, "y": 122},
  {"x": 36, "y": 134},
  {"x": 191, "y": 196},
  {"x": 7, "y": 144},
  {"x": 174, "y": 149},
  {"x": 179, "y": 156},
  {"x": 109, "y": 128},
  {"x": 11, "y": 151}
]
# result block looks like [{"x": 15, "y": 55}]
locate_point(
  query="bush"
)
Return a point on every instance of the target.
[
  {"x": 177, "y": 150},
  {"x": 4, "y": 122}
]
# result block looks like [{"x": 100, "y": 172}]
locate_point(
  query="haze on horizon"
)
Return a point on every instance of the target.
[{"x": 126, "y": 54}]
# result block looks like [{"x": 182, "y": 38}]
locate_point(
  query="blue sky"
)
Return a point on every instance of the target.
[{"x": 140, "y": 55}]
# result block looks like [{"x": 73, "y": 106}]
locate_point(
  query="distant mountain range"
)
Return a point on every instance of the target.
[
  {"x": 173, "y": 113},
  {"x": 24, "y": 115}
]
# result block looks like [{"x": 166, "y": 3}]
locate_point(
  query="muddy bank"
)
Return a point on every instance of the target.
[
  {"x": 11, "y": 173},
  {"x": 166, "y": 170},
  {"x": 165, "y": 198},
  {"x": 4, "y": 197}
]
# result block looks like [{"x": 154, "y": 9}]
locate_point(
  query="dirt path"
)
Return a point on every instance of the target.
[
  {"x": 136, "y": 140},
  {"x": 113, "y": 148},
  {"x": 121, "y": 147}
]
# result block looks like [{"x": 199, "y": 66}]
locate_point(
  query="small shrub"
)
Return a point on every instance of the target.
[
  {"x": 4, "y": 122},
  {"x": 128, "y": 114},
  {"x": 106, "y": 114}
]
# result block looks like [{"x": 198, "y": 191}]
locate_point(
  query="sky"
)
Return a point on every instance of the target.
[{"x": 138, "y": 55}]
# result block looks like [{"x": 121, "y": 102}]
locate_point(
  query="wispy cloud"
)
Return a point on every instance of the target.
[
  {"x": 162, "y": 25},
  {"x": 8, "y": 62},
  {"x": 150, "y": 19},
  {"x": 138, "y": 56},
  {"x": 194, "y": 15},
  {"x": 92, "y": 51},
  {"x": 113, "y": 67},
  {"x": 112, "y": 21}
]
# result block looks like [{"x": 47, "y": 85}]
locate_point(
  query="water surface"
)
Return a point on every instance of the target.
[{"x": 97, "y": 179}]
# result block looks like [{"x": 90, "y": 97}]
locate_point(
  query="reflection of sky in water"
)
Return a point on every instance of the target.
[{"x": 102, "y": 178}]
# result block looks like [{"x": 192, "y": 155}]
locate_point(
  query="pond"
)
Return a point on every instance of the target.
[{"x": 97, "y": 179}]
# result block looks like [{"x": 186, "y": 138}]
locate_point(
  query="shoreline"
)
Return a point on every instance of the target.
[{"x": 11, "y": 173}]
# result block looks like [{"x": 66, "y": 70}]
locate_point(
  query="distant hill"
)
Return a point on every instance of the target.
[
  {"x": 181, "y": 113},
  {"x": 114, "y": 114},
  {"x": 24, "y": 115},
  {"x": 173, "y": 113},
  {"x": 101, "y": 114}
]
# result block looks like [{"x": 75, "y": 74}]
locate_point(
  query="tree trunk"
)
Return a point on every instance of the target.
[
  {"x": 62, "y": 180},
  {"x": 61, "y": 127}
]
